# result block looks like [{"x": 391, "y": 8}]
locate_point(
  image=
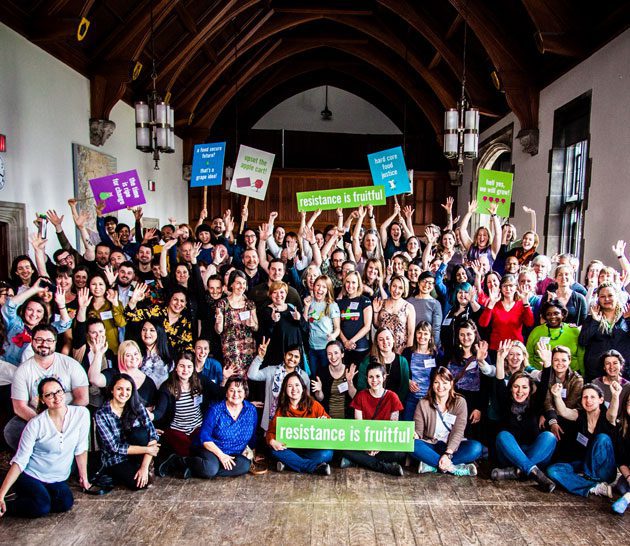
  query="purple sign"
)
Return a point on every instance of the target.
[{"x": 119, "y": 191}]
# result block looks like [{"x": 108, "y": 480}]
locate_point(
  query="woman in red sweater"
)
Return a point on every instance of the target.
[
  {"x": 295, "y": 401},
  {"x": 506, "y": 313}
]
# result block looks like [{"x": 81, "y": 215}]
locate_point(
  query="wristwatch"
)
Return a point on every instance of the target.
[{"x": 449, "y": 455}]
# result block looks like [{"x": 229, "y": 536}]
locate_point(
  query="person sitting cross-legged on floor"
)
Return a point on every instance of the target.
[
  {"x": 440, "y": 420},
  {"x": 295, "y": 401}
]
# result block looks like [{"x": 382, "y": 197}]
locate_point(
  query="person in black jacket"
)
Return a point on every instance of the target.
[
  {"x": 520, "y": 442},
  {"x": 183, "y": 400},
  {"x": 333, "y": 386}
]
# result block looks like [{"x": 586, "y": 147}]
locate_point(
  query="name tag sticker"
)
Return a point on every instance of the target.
[
  {"x": 447, "y": 321},
  {"x": 471, "y": 366},
  {"x": 581, "y": 439},
  {"x": 429, "y": 363},
  {"x": 354, "y": 305},
  {"x": 244, "y": 315},
  {"x": 343, "y": 387},
  {"x": 563, "y": 393},
  {"x": 107, "y": 315},
  {"x": 57, "y": 318},
  {"x": 449, "y": 419},
  {"x": 197, "y": 400},
  {"x": 607, "y": 404},
  {"x": 545, "y": 340}
]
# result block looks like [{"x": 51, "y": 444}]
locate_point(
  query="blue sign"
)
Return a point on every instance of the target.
[
  {"x": 207, "y": 166},
  {"x": 389, "y": 170}
]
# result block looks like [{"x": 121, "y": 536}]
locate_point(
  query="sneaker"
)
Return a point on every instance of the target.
[
  {"x": 394, "y": 469},
  {"x": 167, "y": 466},
  {"x": 322, "y": 469},
  {"x": 601, "y": 490},
  {"x": 424, "y": 468},
  {"x": 546, "y": 484},
  {"x": 620, "y": 505},
  {"x": 500, "y": 474},
  {"x": 280, "y": 466},
  {"x": 346, "y": 463},
  {"x": 464, "y": 470}
]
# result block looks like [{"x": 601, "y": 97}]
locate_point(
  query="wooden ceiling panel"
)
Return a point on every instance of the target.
[{"x": 205, "y": 49}]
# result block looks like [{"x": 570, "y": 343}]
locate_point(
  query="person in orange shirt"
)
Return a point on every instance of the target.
[{"x": 295, "y": 401}]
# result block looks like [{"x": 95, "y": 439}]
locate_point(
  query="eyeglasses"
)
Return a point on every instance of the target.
[
  {"x": 41, "y": 341},
  {"x": 54, "y": 394}
]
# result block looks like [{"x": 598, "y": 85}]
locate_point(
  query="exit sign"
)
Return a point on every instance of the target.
[{"x": 3, "y": 143}]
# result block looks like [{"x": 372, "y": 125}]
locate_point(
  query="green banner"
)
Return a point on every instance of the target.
[
  {"x": 342, "y": 198},
  {"x": 345, "y": 434},
  {"x": 494, "y": 187}
]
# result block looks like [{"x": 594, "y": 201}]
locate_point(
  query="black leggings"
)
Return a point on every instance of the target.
[{"x": 124, "y": 473}]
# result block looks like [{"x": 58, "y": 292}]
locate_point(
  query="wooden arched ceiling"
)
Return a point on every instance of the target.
[{"x": 210, "y": 53}]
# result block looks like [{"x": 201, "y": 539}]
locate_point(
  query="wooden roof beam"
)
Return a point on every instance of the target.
[{"x": 557, "y": 27}]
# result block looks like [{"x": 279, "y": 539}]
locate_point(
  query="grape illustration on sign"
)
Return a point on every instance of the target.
[
  {"x": 388, "y": 169},
  {"x": 494, "y": 187},
  {"x": 252, "y": 172}
]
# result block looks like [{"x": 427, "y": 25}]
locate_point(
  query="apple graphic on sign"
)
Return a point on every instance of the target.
[{"x": 259, "y": 184}]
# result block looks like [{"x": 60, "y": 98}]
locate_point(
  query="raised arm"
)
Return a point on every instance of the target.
[
  {"x": 448, "y": 207},
  {"x": 613, "y": 409},
  {"x": 387, "y": 222},
  {"x": 532, "y": 218},
  {"x": 80, "y": 218},
  {"x": 463, "y": 227},
  {"x": 164, "y": 256},
  {"x": 620, "y": 251},
  {"x": 264, "y": 234},
  {"x": 407, "y": 225},
  {"x": 561, "y": 408},
  {"x": 309, "y": 236},
  {"x": 496, "y": 228},
  {"x": 356, "y": 235},
  {"x": 39, "y": 249}
]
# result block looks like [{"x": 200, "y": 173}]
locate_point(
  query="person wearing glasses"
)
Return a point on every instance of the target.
[
  {"x": 45, "y": 363},
  {"x": 51, "y": 441}
]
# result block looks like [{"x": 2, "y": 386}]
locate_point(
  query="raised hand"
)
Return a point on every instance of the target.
[
  {"x": 492, "y": 208},
  {"x": 148, "y": 235},
  {"x": 482, "y": 351},
  {"x": 472, "y": 206},
  {"x": 80, "y": 219},
  {"x": 37, "y": 242},
  {"x": 137, "y": 213},
  {"x": 196, "y": 250},
  {"x": 272, "y": 216},
  {"x": 544, "y": 352},
  {"x": 504, "y": 348},
  {"x": 370, "y": 210},
  {"x": 60, "y": 297},
  {"x": 170, "y": 243},
  {"x": 351, "y": 372},
  {"x": 262, "y": 348},
  {"x": 109, "y": 273},
  {"x": 263, "y": 232},
  {"x": 54, "y": 218},
  {"x": 203, "y": 214},
  {"x": 377, "y": 305},
  {"x": 619, "y": 248},
  {"x": 615, "y": 389},
  {"x": 528, "y": 210},
  {"x": 99, "y": 208},
  {"x": 408, "y": 211},
  {"x": 112, "y": 296},
  {"x": 139, "y": 292},
  {"x": 84, "y": 297},
  {"x": 316, "y": 385},
  {"x": 448, "y": 206}
]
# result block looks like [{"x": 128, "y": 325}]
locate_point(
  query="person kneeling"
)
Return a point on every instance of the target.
[
  {"x": 227, "y": 429},
  {"x": 441, "y": 418},
  {"x": 42, "y": 464},
  {"x": 376, "y": 404},
  {"x": 295, "y": 401}
]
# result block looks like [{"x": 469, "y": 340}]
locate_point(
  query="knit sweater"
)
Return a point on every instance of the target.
[{"x": 506, "y": 324}]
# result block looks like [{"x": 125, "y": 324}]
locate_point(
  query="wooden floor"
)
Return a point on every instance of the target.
[{"x": 352, "y": 506}]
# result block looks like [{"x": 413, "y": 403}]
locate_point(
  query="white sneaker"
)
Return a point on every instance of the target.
[
  {"x": 280, "y": 466},
  {"x": 601, "y": 490}
]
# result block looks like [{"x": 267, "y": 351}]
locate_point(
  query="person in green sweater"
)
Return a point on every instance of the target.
[
  {"x": 396, "y": 366},
  {"x": 556, "y": 332}
]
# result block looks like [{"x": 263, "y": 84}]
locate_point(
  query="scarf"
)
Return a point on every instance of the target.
[{"x": 23, "y": 338}]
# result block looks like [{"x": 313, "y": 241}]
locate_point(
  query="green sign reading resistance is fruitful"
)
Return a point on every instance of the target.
[
  {"x": 494, "y": 187},
  {"x": 345, "y": 434},
  {"x": 343, "y": 198}
]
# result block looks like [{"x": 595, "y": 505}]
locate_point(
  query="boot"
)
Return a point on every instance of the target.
[
  {"x": 500, "y": 474},
  {"x": 545, "y": 483}
]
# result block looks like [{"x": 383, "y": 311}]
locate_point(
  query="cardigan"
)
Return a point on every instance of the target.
[
  {"x": 506, "y": 324},
  {"x": 596, "y": 342},
  {"x": 426, "y": 416}
]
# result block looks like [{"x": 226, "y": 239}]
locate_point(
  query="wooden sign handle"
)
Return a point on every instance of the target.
[{"x": 246, "y": 205}]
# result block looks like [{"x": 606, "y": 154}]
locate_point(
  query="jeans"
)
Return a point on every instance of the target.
[
  {"x": 376, "y": 462},
  {"x": 303, "y": 460},
  {"x": 317, "y": 360},
  {"x": 525, "y": 457},
  {"x": 599, "y": 466},
  {"x": 13, "y": 432},
  {"x": 206, "y": 465},
  {"x": 410, "y": 407},
  {"x": 36, "y": 498},
  {"x": 468, "y": 452},
  {"x": 124, "y": 472}
]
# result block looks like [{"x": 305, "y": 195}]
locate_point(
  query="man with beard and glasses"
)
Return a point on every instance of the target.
[
  {"x": 252, "y": 269},
  {"x": 44, "y": 363},
  {"x": 260, "y": 293}
]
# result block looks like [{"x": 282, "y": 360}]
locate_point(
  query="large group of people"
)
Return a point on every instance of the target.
[{"x": 174, "y": 352}]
